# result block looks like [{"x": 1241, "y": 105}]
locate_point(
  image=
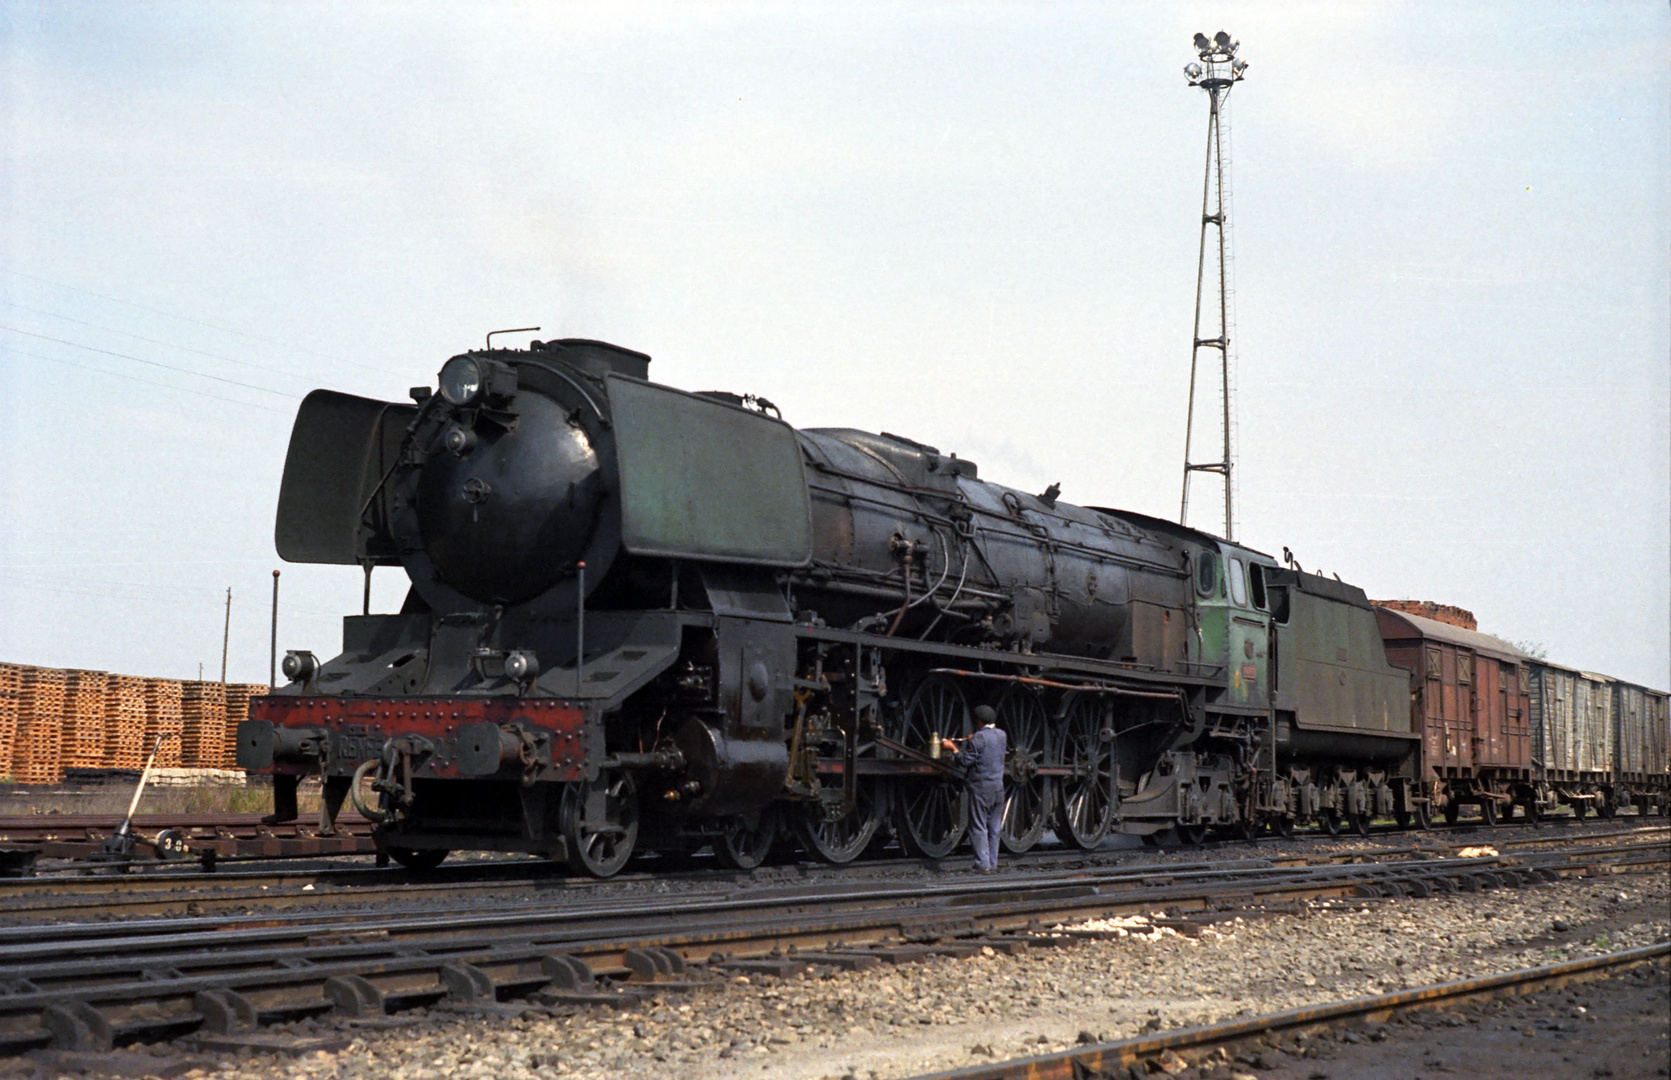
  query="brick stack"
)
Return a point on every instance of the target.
[
  {"x": 124, "y": 719},
  {"x": 162, "y": 717},
  {"x": 84, "y": 732},
  {"x": 11, "y": 684},
  {"x": 40, "y": 729},
  {"x": 237, "y": 711},
  {"x": 203, "y": 724}
]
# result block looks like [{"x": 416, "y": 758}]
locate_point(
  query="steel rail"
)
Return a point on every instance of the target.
[
  {"x": 95, "y": 987},
  {"x": 497, "y": 881},
  {"x": 1102, "y": 1058}
]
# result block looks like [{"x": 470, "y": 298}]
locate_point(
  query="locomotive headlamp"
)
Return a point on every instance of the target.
[
  {"x": 299, "y": 665},
  {"x": 521, "y": 665},
  {"x": 461, "y": 380}
]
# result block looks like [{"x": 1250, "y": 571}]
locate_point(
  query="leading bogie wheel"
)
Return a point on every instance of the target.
[
  {"x": 931, "y": 812},
  {"x": 747, "y": 839},
  {"x": 1028, "y": 797},
  {"x": 600, "y": 823},
  {"x": 841, "y": 839},
  {"x": 1086, "y": 803}
]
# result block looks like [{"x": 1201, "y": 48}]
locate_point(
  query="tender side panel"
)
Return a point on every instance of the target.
[{"x": 1340, "y": 674}]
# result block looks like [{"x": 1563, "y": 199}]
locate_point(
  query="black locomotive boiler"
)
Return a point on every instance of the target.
[{"x": 648, "y": 620}]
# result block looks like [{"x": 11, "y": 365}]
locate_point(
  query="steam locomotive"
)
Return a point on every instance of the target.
[{"x": 642, "y": 619}]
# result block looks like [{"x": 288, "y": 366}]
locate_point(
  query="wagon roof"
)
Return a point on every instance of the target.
[{"x": 1435, "y": 630}]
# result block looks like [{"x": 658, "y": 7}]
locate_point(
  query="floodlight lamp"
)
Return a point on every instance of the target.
[
  {"x": 1202, "y": 43},
  {"x": 1238, "y": 67},
  {"x": 1222, "y": 40},
  {"x": 1192, "y": 70}
]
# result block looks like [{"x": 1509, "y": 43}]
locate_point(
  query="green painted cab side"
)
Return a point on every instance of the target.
[{"x": 1235, "y": 634}]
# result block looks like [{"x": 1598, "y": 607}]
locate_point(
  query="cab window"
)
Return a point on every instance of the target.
[
  {"x": 1238, "y": 583},
  {"x": 1256, "y": 584},
  {"x": 1206, "y": 573},
  {"x": 1279, "y": 604}
]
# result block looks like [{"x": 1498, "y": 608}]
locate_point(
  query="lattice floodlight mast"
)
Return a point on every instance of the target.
[{"x": 1219, "y": 70}]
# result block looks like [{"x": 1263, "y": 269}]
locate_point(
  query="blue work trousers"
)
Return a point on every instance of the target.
[{"x": 986, "y": 815}]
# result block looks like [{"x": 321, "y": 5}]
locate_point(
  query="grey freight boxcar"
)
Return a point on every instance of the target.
[
  {"x": 1573, "y": 735},
  {"x": 1642, "y": 747}
]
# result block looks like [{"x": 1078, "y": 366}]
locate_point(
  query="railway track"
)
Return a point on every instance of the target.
[
  {"x": 89, "y": 986},
  {"x": 46, "y": 845},
  {"x": 1117, "y": 1059},
  {"x": 465, "y": 883},
  {"x": 468, "y": 883}
]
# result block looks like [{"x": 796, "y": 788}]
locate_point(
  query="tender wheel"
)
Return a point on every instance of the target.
[
  {"x": 1360, "y": 823},
  {"x": 600, "y": 823},
  {"x": 1605, "y": 807},
  {"x": 1488, "y": 812},
  {"x": 1403, "y": 818},
  {"x": 1330, "y": 820},
  {"x": 1085, "y": 811},
  {"x": 1534, "y": 812},
  {"x": 1193, "y": 835},
  {"x": 748, "y": 841},
  {"x": 931, "y": 812},
  {"x": 418, "y": 858},
  {"x": 1422, "y": 816},
  {"x": 1581, "y": 808},
  {"x": 842, "y": 839},
  {"x": 1283, "y": 827},
  {"x": 1028, "y": 797},
  {"x": 1453, "y": 812}
]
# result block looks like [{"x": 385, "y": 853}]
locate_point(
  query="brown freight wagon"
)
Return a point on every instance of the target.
[{"x": 1470, "y": 703}]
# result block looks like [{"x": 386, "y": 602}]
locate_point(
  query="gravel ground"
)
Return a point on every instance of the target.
[{"x": 899, "y": 1021}]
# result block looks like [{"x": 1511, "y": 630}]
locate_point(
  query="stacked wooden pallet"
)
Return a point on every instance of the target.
[
  {"x": 124, "y": 723},
  {"x": 11, "y": 685},
  {"x": 163, "y": 718},
  {"x": 202, "y": 725},
  {"x": 37, "y": 754},
  {"x": 237, "y": 711},
  {"x": 84, "y": 731}
]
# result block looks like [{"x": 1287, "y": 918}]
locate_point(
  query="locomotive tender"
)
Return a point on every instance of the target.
[{"x": 644, "y": 619}]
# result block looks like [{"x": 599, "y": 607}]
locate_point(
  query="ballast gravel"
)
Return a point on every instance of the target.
[{"x": 944, "y": 1013}]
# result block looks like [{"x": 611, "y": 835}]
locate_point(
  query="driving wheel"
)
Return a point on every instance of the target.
[
  {"x": 931, "y": 811},
  {"x": 1085, "y": 811},
  {"x": 1027, "y": 795}
]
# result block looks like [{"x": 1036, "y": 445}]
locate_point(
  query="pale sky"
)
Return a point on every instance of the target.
[{"x": 973, "y": 225}]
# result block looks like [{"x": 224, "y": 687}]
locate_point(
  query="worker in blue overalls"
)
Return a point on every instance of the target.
[{"x": 981, "y": 758}]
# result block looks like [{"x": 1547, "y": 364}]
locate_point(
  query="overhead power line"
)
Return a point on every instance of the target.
[
  {"x": 335, "y": 359},
  {"x": 153, "y": 363},
  {"x": 139, "y": 379},
  {"x": 151, "y": 341}
]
